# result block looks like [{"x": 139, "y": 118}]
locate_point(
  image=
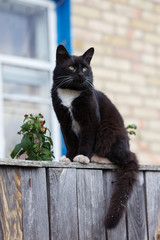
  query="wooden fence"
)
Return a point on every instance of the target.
[{"x": 57, "y": 201}]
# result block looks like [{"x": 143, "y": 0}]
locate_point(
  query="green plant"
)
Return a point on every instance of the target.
[
  {"x": 35, "y": 143},
  {"x": 130, "y": 129}
]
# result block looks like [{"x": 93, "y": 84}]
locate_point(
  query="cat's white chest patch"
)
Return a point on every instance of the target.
[{"x": 67, "y": 96}]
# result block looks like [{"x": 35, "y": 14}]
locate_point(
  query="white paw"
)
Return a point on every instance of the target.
[
  {"x": 81, "y": 159},
  {"x": 97, "y": 159},
  {"x": 64, "y": 159}
]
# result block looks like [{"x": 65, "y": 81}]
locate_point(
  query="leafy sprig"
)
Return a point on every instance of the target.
[
  {"x": 36, "y": 140},
  {"x": 130, "y": 129}
]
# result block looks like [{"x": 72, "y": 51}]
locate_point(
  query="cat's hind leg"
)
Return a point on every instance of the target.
[
  {"x": 97, "y": 159},
  {"x": 104, "y": 140}
]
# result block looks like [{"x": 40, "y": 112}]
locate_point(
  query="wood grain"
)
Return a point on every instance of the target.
[
  {"x": 136, "y": 214},
  {"x": 72, "y": 203},
  {"x": 63, "y": 204},
  {"x": 91, "y": 207},
  {"x": 153, "y": 202},
  {"x": 35, "y": 206},
  {"x": 53, "y": 164},
  {"x": 118, "y": 233},
  {"x": 10, "y": 204}
]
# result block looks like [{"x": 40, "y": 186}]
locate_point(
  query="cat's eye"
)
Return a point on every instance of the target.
[
  {"x": 84, "y": 69},
  {"x": 71, "y": 68}
]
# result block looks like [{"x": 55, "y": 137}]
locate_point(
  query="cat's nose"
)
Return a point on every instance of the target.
[{"x": 80, "y": 74}]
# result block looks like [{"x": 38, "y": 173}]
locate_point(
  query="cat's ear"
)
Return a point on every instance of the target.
[
  {"x": 87, "y": 56},
  {"x": 61, "y": 54}
]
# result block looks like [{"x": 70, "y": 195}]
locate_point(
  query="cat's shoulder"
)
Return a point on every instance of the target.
[
  {"x": 101, "y": 96},
  {"x": 104, "y": 101}
]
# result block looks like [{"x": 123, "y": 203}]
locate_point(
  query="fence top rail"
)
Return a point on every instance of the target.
[{"x": 54, "y": 164}]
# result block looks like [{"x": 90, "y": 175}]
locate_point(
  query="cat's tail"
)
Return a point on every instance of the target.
[{"x": 122, "y": 190}]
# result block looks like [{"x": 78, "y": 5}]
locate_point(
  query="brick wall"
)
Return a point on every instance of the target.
[{"x": 126, "y": 64}]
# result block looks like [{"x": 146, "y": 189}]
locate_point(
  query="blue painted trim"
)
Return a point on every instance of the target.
[{"x": 63, "y": 11}]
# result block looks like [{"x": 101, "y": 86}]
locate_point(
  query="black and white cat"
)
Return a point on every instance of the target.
[{"x": 91, "y": 125}]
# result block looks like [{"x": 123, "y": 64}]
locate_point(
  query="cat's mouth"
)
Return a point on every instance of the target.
[
  {"x": 80, "y": 80},
  {"x": 81, "y": 83}
]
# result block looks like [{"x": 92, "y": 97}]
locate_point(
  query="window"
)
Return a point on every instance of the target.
[
  {"x": 27, "y": 50},
  {"x": 24, "y": 28}
]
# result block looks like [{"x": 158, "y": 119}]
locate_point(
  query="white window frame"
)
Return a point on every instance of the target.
[{"x": 36, "y": 64}]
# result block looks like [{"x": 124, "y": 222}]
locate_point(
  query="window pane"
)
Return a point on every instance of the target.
[
  {"x": 14, "y": 115},
  {"x": 23, "y": 30},
  {"x": 26, "y": 81}
]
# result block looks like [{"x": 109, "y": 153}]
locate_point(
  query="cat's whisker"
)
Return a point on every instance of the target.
[
  {"x": 67, "y": 85},
  {"x": 65, "y": 82},
  {"x": 89, "y": 84},
  {"x": 90, "y": 80},
  {"x": 62, "y": 77},
  {"x": 65, "y": 79},
  {"x": 69, "y": 80},
  {"x": 55, "y": 89}
]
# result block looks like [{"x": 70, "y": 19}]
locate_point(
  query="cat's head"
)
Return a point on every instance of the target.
[{"x": 73, "y": 72}]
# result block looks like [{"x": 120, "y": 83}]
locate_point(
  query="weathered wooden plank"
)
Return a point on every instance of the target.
[
  {"x": 63, "y": 204},
  {"x": 136, "y": 214},
  {"x": 120, "y": 232},
  {"x": 53, "y": 164},
  {"x": 78, "y": 202},
  {"x": 35, "y": 205},
  {"x": 10, "y": 204},
  {"x": 153, "y": 202},
  {"x": 90, "y": 205}
]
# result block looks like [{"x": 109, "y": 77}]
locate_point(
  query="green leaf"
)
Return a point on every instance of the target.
[
  {"x": 20, "y": 153},
  {"x": 26, "y": 143},
  {"x": 36, "y": 145},
  {"x": 50, "y": 140},
  {"x": 38, "y": 126},
  {"x": 132, "y": 132},
  {"x": 47, "y": 145},
  {"x": 16, "y": 150},
  {"x": 46, "y": 158},
  {"x": 47, "y": 129},
  {"x": 32, "y": 156},
  {"x": 131, "y": 126},
  {"x": 25, "y": 127},
  {"x": 45, "y": 151}
]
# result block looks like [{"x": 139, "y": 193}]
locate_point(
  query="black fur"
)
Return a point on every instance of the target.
[{"x": 102, "y": 130}]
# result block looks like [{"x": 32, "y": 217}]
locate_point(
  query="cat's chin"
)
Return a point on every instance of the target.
[
  {"x": 75, "y": 88},
  {"x": 79, "y": 88}
]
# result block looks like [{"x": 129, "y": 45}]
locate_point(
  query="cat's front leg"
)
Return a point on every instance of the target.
[
  {"x": 71, "y": 142},
  {"x": 86, "y": 143},
  {"x": 81, "y": 159},
  {"x": 64, "y": 159}
]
